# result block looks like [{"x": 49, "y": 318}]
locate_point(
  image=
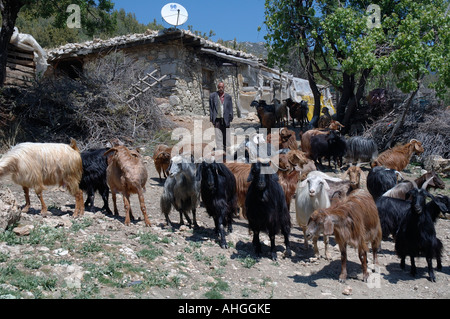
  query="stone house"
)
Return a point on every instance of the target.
[{"x": 192, "y": 66}]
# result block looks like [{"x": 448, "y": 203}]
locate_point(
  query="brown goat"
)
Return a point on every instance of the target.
[
  {"x": 344, "y": 187},
  {"x": 126, "y": 174},
  {"x": 161, "y": 158},
  {"x": 287, "y": 139},
  {"x": 240, "y": 172},
  {"x": 399, "y": 156},
  {"x": 354, "y": 221}
]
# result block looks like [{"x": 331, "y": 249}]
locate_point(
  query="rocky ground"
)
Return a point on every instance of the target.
[{"x": 97, "y": 256}]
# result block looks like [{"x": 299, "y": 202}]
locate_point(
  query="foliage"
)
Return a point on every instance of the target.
[
  {"x": 48, "y": 34},
  {"x": 413, "y": 39}
]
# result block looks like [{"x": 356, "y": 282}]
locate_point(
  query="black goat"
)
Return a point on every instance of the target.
[
  {"x": 392, "y": 210},
  {"x": 218, "y": 191},
  {"x": 298, "y": 111},
  {"x": 416, "y": 235},
  {"x": 381, "y": 179},
  {"x": 266, "y": 207},
  {"x": 329, "y": 145},
  {"x": 94, "y": 177}
]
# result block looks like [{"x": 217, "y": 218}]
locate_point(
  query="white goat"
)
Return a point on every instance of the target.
[
  {"x": 311, "y": 195},
  {"x": 36, "y": 165}
]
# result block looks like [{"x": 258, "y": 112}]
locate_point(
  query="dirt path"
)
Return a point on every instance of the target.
[{"x": 158, "y": 262}]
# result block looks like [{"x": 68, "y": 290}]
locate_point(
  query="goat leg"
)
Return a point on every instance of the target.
[
  {"x": 304, "y": 237},
  {"x": 363, "y": 258},
  {"x": 287, "y": 244},
  {"x": 325, "y": 243},
  {"x": 430, "y": 269},
  {"x": 413, "y": 267},
  {"x": 194, "y": 217},
  {"x": 44, "y": 211},
  {"x": 79, "y": 207},
  {"x": 143, "y": 208},
  {"x": 89, "y": 203},
  {"x": 26, "y": 192},
  {"x": 220, "y": 232},
  {"x": 402, "y": 262},
  {"x": 256, "y": 243},
  {"x": 114, "y": 198},
  {"x": 187, "y": 218},
  {"x": 181, "y": 218},
  {"x": 126, "y": 203},
  {"x": 343, "y": 275},
  {"x": 105, "y": 195}
]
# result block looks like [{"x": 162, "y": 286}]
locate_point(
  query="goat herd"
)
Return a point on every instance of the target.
[{"x": 260, "y": 190}]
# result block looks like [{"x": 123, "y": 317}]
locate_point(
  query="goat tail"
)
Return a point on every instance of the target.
[
  {"x": 73, "y": 145},
  {"x": 165, "y": 204},
  {"x": 7, "y": 164}
]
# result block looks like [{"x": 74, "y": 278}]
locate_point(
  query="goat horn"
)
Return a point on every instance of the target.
[
  {"x": 278, "y": 167},
  {"x": 413, "y": 140},
  {"x": 425, "y": 185}
]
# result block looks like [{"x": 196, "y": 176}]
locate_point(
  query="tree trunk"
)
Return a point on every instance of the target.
[
  {"x": 402, "y": 117},
  {"x": 348, "y": 86},
  {"x": 9, "y": 10},
  {"x": 355, "y": 99},
  {"x": 311, "y": 79}
]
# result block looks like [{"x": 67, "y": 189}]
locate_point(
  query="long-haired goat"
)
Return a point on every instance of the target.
[
  {"x": 266, "y": 208},
  {"x": 392, "y": 210},
  {"x": 399, "y": 156},
  {"x": 361, "y": 149},
  {"x": 36, "y": 165},
  {"x": 94, "y": 177},
  {"x": 311, "y": 194},
  {"x": 416, "y": 235},
  {"x": 181, "y": 190},
  {"x": 126, "y": 174},
  {"x": 353, "y": 221},
  {"x": 161, "y": 159},
  {"x": 218, "y": 191}
]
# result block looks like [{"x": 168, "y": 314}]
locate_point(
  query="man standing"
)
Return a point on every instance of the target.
[{"x": 220, "y": 113}]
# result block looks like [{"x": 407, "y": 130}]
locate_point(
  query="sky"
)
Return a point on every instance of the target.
[{"x": 229, "y": 19}]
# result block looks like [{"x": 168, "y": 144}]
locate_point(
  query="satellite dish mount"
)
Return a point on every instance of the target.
[{"x": 174, "y": 14}]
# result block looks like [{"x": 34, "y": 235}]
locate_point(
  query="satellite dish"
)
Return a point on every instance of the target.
[{"x": 174, "y": 14}]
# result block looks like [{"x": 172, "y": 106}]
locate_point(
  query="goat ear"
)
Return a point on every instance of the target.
[
  {"x": 328, "y": 226},
  {"x": 326, "y": 186},
  {"x": 304, "y": 183},
  {"x": 112, "y": 149}
]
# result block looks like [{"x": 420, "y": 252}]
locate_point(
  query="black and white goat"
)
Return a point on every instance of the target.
[
  {"x": 360, "y": 149},
  {"x": 181, "y": 189},
  {"x": 218, "y": 191},
  {"x": 266, "y": 207}
]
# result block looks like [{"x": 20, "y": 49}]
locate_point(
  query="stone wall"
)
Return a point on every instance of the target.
[{"x": 183, "y": 90}]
